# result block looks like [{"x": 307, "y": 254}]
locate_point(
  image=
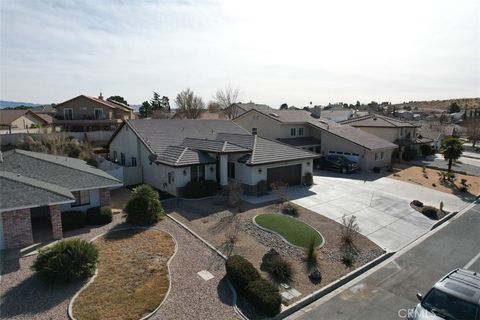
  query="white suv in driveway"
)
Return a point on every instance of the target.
[{"x": 455, "y": 297}]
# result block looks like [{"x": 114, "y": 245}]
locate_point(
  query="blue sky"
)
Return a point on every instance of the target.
[{"x": 274, "y": 51}]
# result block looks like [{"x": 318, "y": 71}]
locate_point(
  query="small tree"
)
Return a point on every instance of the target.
[
  {"x": 280, "y": 189},
  {"x": 452, "y": 150},
  {"x": 145, "y": 110},
  {"x": 144, "y": 207},
  {"x": 118, "y": 99},
  {"x": 226, "y": 98},
  {"x": 350, "y": 230},
  {"x": 454, "y": 108},
  {"x": 473, "y": 130},
  {"x": 284, "y": 106},
  {"x": 189, "y": 105}
]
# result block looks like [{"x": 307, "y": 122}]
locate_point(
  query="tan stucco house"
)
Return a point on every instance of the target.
[
  {"x": 22, "y": 119},
  {"x": 300, "y": 129},
  {"x": 85, "y": 113}
]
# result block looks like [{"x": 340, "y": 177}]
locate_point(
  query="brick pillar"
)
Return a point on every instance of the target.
[
  {"x": 56, "y": 221},
  {"x": 17, "y": 228},
  {"x": 105, "y": 197}
]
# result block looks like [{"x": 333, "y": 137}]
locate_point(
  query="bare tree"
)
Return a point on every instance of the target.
[
  {"x": 213, "y": 107},
  {"x": 189, "y": 105},
  {"x": 226, "y": 99},
  {"x": 473, "y": 130}
]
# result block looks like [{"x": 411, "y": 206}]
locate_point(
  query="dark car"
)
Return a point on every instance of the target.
[
  {"x": 337, "y": 162},
  {"x": 455, "y": 297}
]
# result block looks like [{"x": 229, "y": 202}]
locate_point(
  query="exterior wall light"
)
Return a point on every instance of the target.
[{"x": 259, "y": 170}]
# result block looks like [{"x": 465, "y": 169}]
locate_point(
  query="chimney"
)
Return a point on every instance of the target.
[{"x": 100, "y": 96}]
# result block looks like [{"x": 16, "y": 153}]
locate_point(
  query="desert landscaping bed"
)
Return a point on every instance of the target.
[
  {"x": 133, "y": 267},
  {"x": 24, "y": 296},
  {"x": 234, "y": 232},
  {"x": 430, "y": 178}
]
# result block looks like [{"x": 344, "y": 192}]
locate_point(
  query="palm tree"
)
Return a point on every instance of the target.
[{"x": 452, "y": 150}]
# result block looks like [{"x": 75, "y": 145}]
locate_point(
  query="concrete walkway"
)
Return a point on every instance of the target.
[{"x": 382, "y": 205}]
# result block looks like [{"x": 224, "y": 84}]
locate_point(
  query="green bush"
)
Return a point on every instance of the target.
[
  {"x": 73, "y": 220},
  {"x": 376, "y": 169},
  {"x": 417, "y": 203},
  {"x": 144, "y": 207},
  {"x": 200, "y": 189},
  {"x": 426, "y": 150},
  {"x": 66, "y": 261},
  {"x": 278, "y": 268},
  {"x": 264, "y": 295},
  {"x": 308, "y": 179},
  {"x": 99, "y": 216},
  {"x": 290, "y": 208},
  {"x": 311, "y": 251},
  {"x": 240, "y": 272},
  {"x": 348, "y": 259},
  {"x": 262, "y": 187}
]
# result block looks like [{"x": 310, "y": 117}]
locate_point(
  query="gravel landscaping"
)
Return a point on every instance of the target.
[
  {"x": 233, "y": 232},
  {"x": 25, "y": 297}
]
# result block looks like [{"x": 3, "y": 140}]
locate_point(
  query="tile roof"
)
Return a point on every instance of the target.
[
  {"x": 357, "y": 136},
  {"x": 250, "y": 105},
  {"x": 186, "y": 142},
  {"x": 374, "y": 120},
  {"x": 69, "y": 173},
  {"x": 109, "y": 103},
  {"x": 23, "y": 192},
  {"x": 7, "y": 116},
  {"x": 301, "y": 141}
]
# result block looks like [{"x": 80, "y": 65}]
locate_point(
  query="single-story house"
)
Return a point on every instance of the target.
[
  {"x": 301, "y": 129},
  {"x": 173, "y": 152},
  {"x": 36, "y": 188},
  {"x": 22, "y": 119}
]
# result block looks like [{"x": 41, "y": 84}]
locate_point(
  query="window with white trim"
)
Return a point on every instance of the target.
[
  {"x": 171, "y": 177},
  {"x": 82, "y": 198},
  {"x": 68, "y": 114},
  {"x": 300, "y": 131},
  {"x": 98, "y": 113},
  {"x": 254, "y": 131},
  {"x": 293, "y": 132},
  {"x": 382, "y": 155},
  {"x": 376, "y": 156}
]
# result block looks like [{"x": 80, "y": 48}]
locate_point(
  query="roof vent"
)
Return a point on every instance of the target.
[
  {"x": 100, "y": 96},
  {"x": 274, "y": 115}
]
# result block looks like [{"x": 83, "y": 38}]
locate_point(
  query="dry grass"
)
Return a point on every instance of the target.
[
  {"x": 430, "y": 179},
  {"x": 132, "y": 277}
]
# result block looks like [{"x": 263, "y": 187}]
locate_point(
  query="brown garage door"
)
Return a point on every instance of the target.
[{"x": 292, "y": 175}]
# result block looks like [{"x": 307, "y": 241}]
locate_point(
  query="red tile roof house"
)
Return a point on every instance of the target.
[
  {"x": 171, "y": 153},
  {"x": 36, "y": 188}
]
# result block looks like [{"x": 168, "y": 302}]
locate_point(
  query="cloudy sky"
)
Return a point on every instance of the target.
[{"x": 274, "y": 51}]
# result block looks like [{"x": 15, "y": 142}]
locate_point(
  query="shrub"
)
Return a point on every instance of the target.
[
  {"x": 240, "y": 272},
  {"x": 376, "y": 169},
  {"x": 99, "y": 216},
  {"x": 429, "y": 211},
  {"x": 262, "y": 187},
  {"x": 290, "y": 209},
  {"x": 463, "y": 189},
  {"x": 417, "y": 203},
  {"x": 348, "y": 258},
  {"x": 278, "y": 268},
  {"x": 350, "y": 230},
  {"x": 463, "y": 181},
  {"x": 311, "y": 251},
  {"x": 409, "y": 153},
  {"x": 426, "y": 150},
  {"x": 73, "y": 220},
  {"x": 308, "y": 179},
  {"x": 144, "y": 207},
  {"x": 264, "y": 295},
  {"x": 66, "y": 261}
]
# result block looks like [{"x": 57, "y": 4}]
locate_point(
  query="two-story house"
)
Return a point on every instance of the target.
[
  {"x": 402, "y": 133},
  {"x": 85, "y": 113},
  {"x": 300, "y": 129}
]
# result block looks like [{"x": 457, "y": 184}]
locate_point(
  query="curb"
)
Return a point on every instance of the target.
[
  {"x": 285, "y": 240},
  {"x": 232, "y": 289},
  {"x": 332, "y": 286},
  {"x": 191, "y": 199},
  {"x": 70, "y": 304}
]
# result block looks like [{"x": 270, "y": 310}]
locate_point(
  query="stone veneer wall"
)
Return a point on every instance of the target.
[
  {"x": 56, "y": 221},
  {"x": 17, "y": 228}
]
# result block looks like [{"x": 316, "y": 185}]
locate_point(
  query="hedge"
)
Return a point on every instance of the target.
[
  {"x": 73, "y": 220},
  {"x": 240, "y": 272},
  {"x": 264, "y": 295},
  {"x": 99, "y": 216}
]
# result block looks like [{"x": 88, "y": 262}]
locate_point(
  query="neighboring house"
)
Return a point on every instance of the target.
[
  {"x": 436, "y": 132},
  {"x": 173, "y": 152},
  {"x": 237, "y": 109},
  {"x": 36, "y": 188},
  {"x": 402, "y": 133},
  {"x": 300, "y": 129},
  {"x": 22, "y": 119},
  {"x": 336, "y": 114},
  {"x": 84, "y": 113}
]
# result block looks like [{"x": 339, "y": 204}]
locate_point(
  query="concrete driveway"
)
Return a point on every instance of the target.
[{"x": 382, "y": 206}]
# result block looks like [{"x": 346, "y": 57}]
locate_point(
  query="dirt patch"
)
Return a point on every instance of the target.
[
  {"x": 132, "y": 277},
  {"x": 430, "y": 178},
  {"x": 233, "y": 232}
]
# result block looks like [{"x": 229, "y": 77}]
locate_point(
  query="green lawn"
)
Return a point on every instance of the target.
[{"x": 293, "y": 230}]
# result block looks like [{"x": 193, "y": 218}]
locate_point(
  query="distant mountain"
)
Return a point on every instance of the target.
[{"x": 13, "y": 104}]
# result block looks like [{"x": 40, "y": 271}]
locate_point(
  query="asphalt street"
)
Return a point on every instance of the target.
[{"x": 387, "y": 293}]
